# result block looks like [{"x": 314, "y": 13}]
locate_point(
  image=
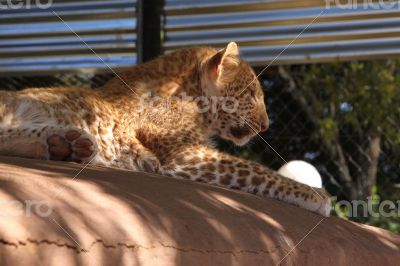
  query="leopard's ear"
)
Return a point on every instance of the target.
[{"x": 223, "y": 66}]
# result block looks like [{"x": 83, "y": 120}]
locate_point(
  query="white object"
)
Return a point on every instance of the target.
[{"x": 302, "y": 172}]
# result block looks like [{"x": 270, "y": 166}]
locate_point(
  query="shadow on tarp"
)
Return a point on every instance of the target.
[{"x": 133, "y": 211}]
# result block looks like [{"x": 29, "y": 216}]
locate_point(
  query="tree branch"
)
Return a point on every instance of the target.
[{"x": 370, "y": 165}]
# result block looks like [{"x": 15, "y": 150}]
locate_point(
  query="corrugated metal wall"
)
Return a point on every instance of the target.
[
  {"x": 263, "y": 29},
  {"x": 36, "y": 40}
]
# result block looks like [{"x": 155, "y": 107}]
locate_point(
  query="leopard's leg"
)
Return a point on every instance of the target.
[
  {"x": 203, "y": 164},
  {"x": 48, "y": 142},
  {"x": 135, "y": 156},
  {"x": 19, "y": 142},
  {"x": 68, "y": 143},
  {"x": 26, "y": 126}
]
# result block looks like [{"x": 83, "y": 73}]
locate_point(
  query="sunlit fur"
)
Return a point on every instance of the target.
[{"x": 129, "y": 133}]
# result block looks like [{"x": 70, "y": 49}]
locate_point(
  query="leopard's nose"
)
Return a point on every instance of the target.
[{"x": 263, "y": 126}]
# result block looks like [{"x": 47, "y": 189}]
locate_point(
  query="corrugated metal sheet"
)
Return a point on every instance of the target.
[
  {"x": 35, "y": 40},
  {"x": 264, "y": 29}
]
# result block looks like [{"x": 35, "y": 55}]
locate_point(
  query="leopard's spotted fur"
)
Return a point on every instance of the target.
[{"x": 128, "y": 134}]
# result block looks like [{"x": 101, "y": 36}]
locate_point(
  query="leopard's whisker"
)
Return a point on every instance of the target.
[{"x": 250, "y": 124}]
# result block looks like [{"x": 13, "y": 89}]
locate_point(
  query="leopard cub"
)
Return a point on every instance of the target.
[{"x": 113, "y": 126}]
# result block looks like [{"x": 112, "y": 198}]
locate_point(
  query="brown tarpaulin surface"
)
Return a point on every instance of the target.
[{"x": 53, "y": 214}]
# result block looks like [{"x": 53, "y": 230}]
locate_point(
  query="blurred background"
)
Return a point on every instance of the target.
[{"x": 329, "y": 69}]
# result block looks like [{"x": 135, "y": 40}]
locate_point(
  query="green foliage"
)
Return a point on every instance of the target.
[
  {"x": 328, "y": 129},
  {"x": 349, "y": 101},
  {"x": 356, "y": 94}
]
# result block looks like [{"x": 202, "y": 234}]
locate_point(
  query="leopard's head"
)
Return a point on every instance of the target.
[{"x": 238, "y": 112}]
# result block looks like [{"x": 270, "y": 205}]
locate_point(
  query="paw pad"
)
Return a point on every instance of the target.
[{"x": 70, "y": 145}]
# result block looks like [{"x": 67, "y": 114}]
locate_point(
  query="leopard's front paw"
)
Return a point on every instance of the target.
[
  {"x": 71, "y": 145},
  {"x": 320, "y": 201},
  {"x": 148, "y": 162},
  {"x": 325, "y": 205}
]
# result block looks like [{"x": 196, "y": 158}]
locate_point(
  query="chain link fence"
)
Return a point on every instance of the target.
[{"x": 57, "y": 80}]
